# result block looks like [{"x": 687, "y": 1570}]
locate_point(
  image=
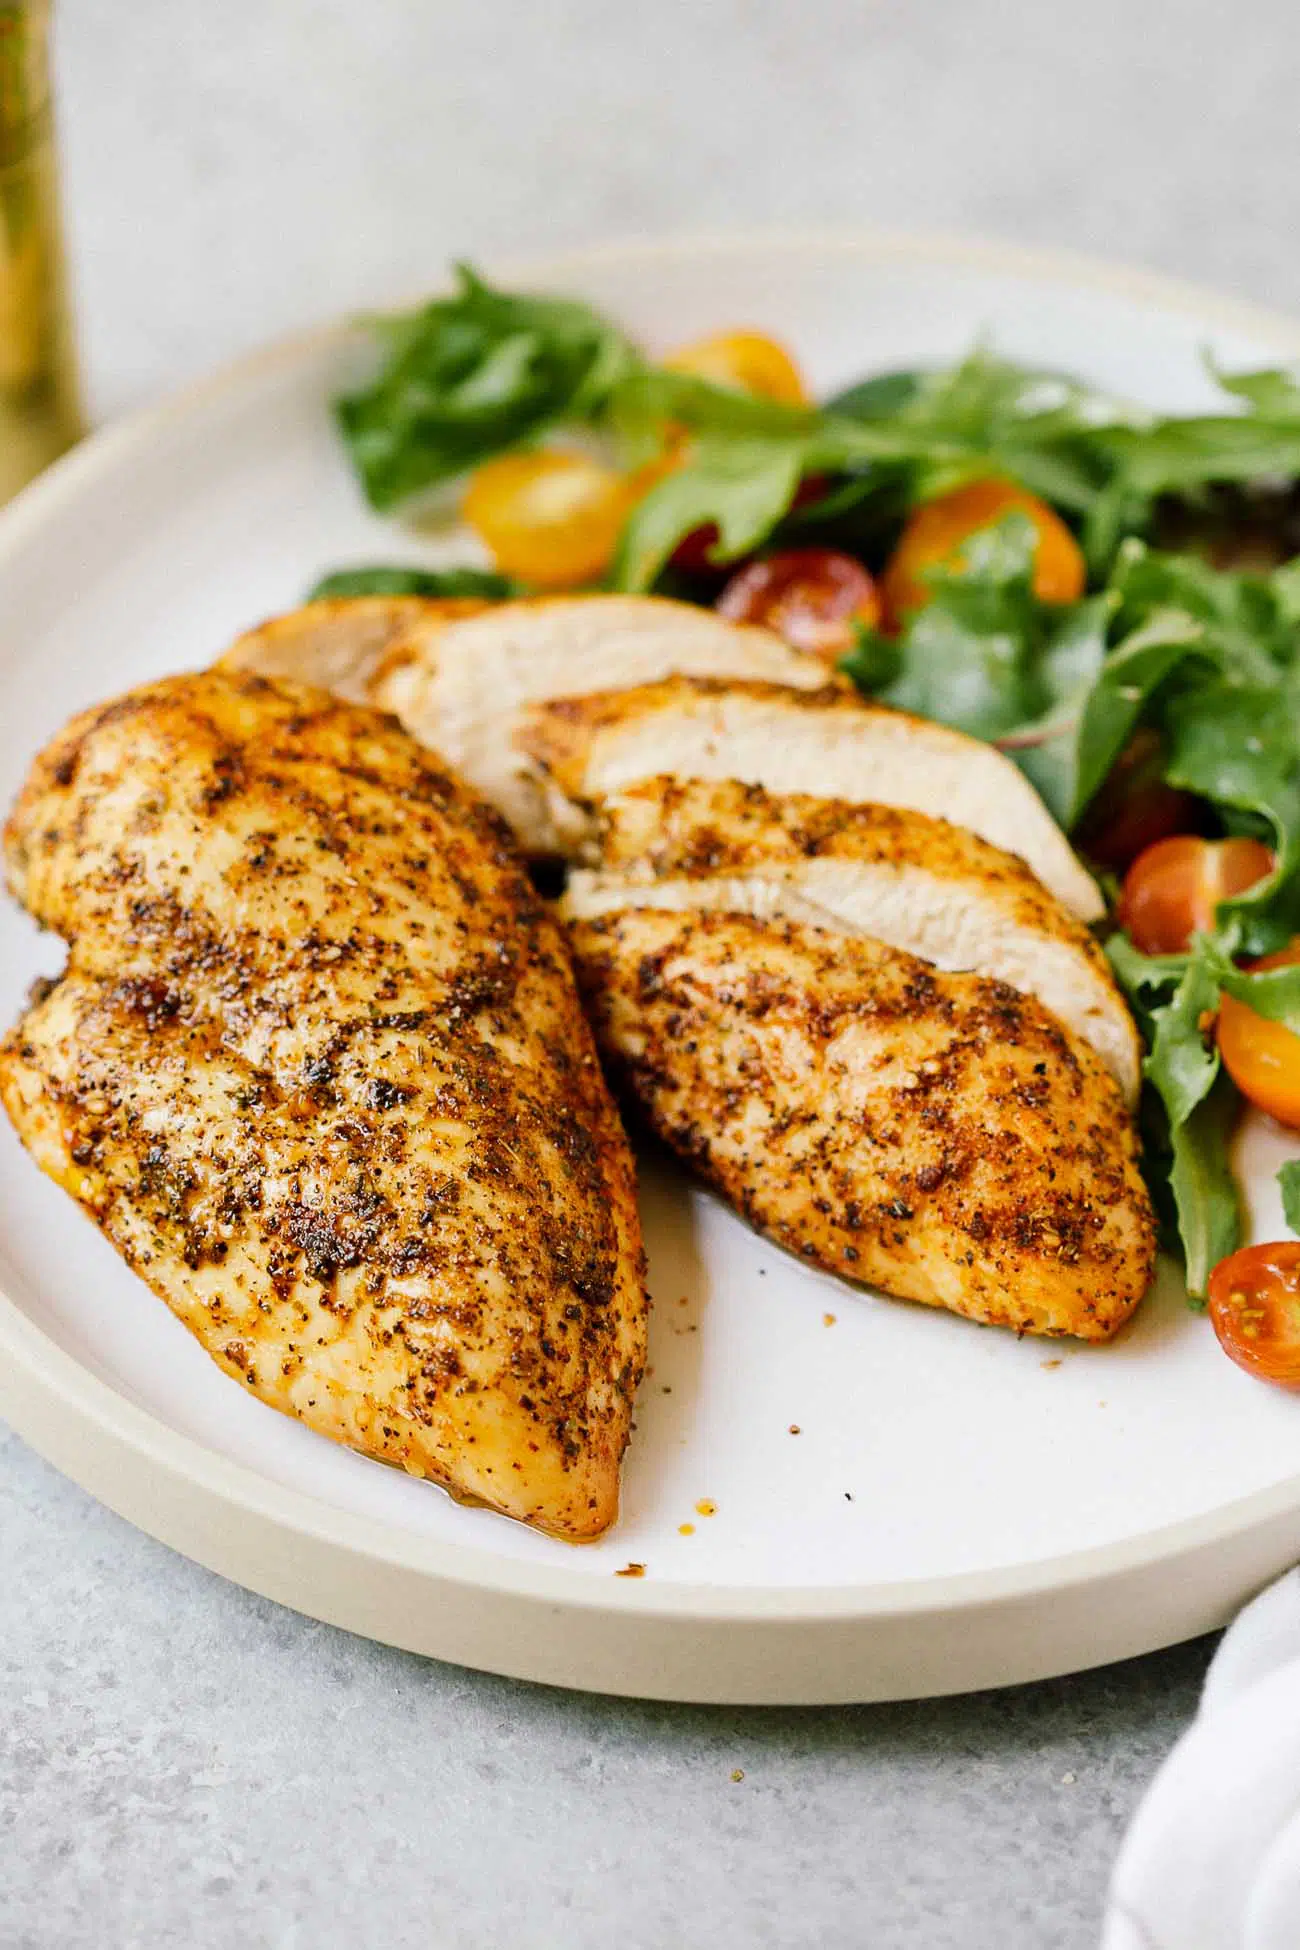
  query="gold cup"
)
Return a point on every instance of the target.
[{"x": 40, "y": 407}]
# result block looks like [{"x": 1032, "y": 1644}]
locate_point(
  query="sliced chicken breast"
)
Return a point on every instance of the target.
[
  {"x": 829, "y": 743},
  {"x": 337, "y": 643},
  {"x": 461, "y": 687},
  {"x": 881, "y": 873},
  {"x": 940, "y": 1136}
]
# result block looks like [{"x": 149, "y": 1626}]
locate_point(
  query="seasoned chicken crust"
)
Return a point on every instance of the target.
[
  {"x": 828, "y": 743},
  {"x": 882, "y": 872},
  {"x": 318, "y": 1070},
  {"x": 940, "y": 1136}
]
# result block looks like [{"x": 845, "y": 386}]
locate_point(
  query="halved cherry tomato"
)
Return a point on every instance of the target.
[
  {"x": 1254, "y": 1298},
  {"x": 936, "y": 530},
  {"x": 1261, "y": 1056},
  {"x": 549, "y": 518},
  {"x": 813, "y": 597},
  {"x": 1172, "y": 890},
  {"x": 749, "y": 361}
]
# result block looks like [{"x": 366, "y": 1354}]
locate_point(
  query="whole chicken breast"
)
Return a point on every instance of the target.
[
  {"x": 879, "y": 872},
  {"x": 318, "y": 1070},
  {"x": 828, "y": 743},
  {"x": 940, "y": 1136}
]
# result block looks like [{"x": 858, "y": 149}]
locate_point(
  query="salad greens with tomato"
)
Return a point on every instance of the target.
[{"x": 1110, "y": 596}]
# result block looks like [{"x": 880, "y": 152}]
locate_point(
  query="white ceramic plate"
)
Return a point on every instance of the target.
[{"x": 957, "y": 1508}]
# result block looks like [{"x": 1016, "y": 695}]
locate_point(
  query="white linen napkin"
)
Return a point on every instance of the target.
[{"x": 1212, "y": 1859}]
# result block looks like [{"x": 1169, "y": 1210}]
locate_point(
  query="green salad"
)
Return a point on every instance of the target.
[{"x": 1114, "y": 601}]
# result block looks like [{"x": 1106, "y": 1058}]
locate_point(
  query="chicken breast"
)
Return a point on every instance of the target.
[
  {"x": 337, "y": 643},
  {"x": 829, "y": 743},
  {"x": 462, "y": 688},
  {"x": 876, "y": 872},
  {"x": 318, "y": 1070},
  {"x": 940, "y": 1136}
]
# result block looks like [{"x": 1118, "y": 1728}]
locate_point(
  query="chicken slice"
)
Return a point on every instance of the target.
[
  {"x": 318, "y": 1069},
  {"x": 878, "y": 872},
  {"x": 939, "y": 1136},
  {"x": 829, "y": 743},
  {"x": 462, "y": 688},
  {"x": 337, "y": 643}
]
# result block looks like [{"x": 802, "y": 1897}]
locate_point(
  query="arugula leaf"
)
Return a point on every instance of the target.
[
  {"x": 741, "y": 486},
  {"x": 1129, "y": 677},
  {"x": 1249, "y": 617},
  {"x": 470, "y": 376},
  {"x": 985, "y": 655},
  {"x": 393, "y": 581},
  {"x": 1189, "y": 1102},
  {"x": 1184, "y": 1060},
  {"x": 1204, "y": 1190},
  {"x": 1271, "y": 992},
  {"x": 748, "y": 457},
  {"x": 965, "y": 656},
  {"x": 878, "y": 397},
  {"x": 1182, "y": 455},
  {"x": 1273, "y": 393},
  {"x": 1175, "y": 999},
  {"x": 1235, "y": 745},
  {"x": 1102, "y": 463},
  {"x": 1289, "y": 1181}
]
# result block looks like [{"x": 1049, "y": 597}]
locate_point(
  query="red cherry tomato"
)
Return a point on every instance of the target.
[
  {"x": 1135, "y": 807},
  {"x": 813, "y": 597},
  {"x": 1263, "y": 1057},
  {"x": 1172, "y": 890},
  {"x": 1254, "y": 1298},
  {"x": 936, "y": 530}
]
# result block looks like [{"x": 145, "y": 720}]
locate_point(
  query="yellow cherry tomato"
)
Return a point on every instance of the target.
[
  {"x": 748, "y": 361},
  {"x": 549, "y": 518},
  {"x": 936, "y": 530}
]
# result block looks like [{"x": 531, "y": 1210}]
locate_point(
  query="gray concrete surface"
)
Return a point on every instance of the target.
[{"x": 182, "y": 1765}]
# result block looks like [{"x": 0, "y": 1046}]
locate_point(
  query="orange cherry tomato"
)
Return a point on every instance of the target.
[
  {"x": 1263, "y": 1057},
  {"x": 1172, "y": 890},
  {"x": 549, "y": 518},
  {"x": 1135, "y": 807},
  {"x": 813, "y": 597},
  {"x": 1254, "y": 1298},
  {"x": 936, "y": 530},
  {"x": 748, "y": 361}
]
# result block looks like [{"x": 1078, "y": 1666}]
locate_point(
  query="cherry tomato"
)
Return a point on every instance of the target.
[
  {"x": 1135, "y": 807},
  {"x": 1172, "y": 890},
  {"x": 1254, "y": 1300},
  {"x": 812, "y": 597},
  {"x": 748, "y": 361},
  {"x": 1263, "y": 1057},
  {"x": 549, "y": 518},
  {"x": 936, "y": 530}
]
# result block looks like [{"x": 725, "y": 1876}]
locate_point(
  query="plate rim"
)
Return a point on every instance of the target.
[{"x": 41, "y": 1382}]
